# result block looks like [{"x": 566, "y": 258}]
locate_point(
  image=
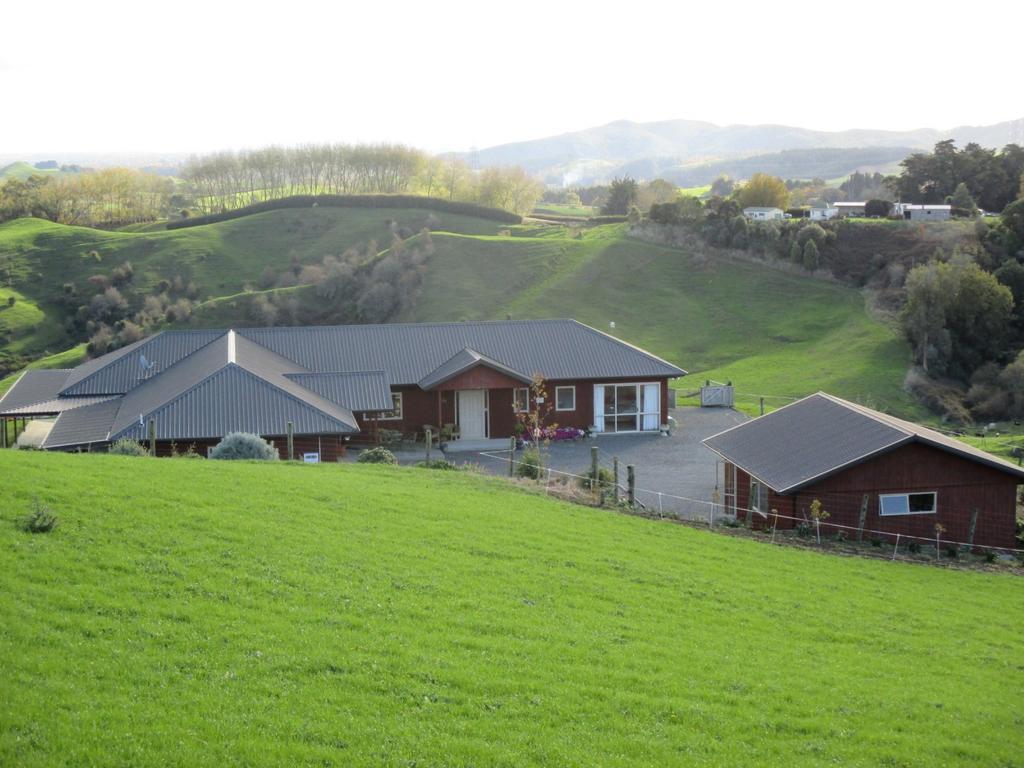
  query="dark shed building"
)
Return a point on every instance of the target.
[{"x": 902, "y": 477}]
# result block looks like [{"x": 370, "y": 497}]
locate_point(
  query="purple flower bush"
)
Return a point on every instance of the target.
[{"x": 556, "y": 434}]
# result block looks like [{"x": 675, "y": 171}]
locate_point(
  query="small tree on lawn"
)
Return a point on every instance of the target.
[
  {"x": 818, "y": 515},
  {"x": 535, "y": 418}
]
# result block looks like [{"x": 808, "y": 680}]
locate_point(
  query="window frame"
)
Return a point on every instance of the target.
[
  {"x": 757, "y": 494},
  {"x": 515, "y": 399},
  {"x": 639, "y": 414},
  {"x": 572, "y": 388},
  {"x": 934, "y": 510},
  {"x": 401, "y": 408}
]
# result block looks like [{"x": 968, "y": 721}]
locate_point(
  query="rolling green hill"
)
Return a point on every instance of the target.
[
  {"x": 409, "y": 617},
  {"x": 771, "y": 332}
]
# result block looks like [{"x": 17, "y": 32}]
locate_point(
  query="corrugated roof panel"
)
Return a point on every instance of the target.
[
  {"x": 819, "y": 435},
  {"x": 558, "y": 349},
  {"x": 121, "y": 370},
  {"x": 171, "y": 382},
  {"x": 236, "y": 400},
  {"x": 36, "y": 385},
  {"x": 82, "y": 426},
  {"x": 57, "y": 405},
  {"x": 358, "y": 391},
  {"x": 463, "y": 360}
]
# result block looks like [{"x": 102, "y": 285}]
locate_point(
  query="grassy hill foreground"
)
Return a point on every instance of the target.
[
  {"x": 201, "y": 613},
  {"x": 771, "y": 332}
]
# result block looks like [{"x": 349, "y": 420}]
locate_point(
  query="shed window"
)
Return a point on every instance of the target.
[
  {"x": 907, "y": 503},
  {"x": 396, "y": 410},
  {"x": 565, "y": 398},
  {"x": 521, "y": 402},
  {"x": 758, "y": 496}
]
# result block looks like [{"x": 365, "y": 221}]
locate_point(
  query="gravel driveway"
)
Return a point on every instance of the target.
[{"x": 677, "y": 464}]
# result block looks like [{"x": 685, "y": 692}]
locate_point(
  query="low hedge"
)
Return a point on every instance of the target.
[{"x": 353, "y": 201}]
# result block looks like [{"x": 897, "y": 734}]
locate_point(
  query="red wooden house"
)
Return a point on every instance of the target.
[
  {"x": 866, "y": 468},
  {"x": 335, "y": 383}
]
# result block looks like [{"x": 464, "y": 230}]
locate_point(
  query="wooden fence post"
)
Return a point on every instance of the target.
[
  {"x": 762, "y": 406},
  {"x": 291, "y": 441},
  {"x": 631, "y": 484},
  {"x": 594, "y": 485},
  {"x": 970, "y": 529},
  {"x": 615, "y": 480},
  {"x": 152, "y": 437},
  {"x": 863, "y": 518},
  {"x": 428, "y": 438},
  {"x": 512, "y": 456}
]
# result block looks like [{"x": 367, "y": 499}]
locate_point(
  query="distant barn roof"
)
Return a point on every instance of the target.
[{"x": 820, "y": 435}]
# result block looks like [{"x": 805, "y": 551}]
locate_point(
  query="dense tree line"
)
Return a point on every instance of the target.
[
  {"x": 963, "y": 312},
  {"x": 993, "y": 179},
  {"x": 229, "y": 180},
  {"x": 92, "y": 198}
]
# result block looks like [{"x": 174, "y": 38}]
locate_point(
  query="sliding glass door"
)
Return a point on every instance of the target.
[{"x": 627, "y": 407}]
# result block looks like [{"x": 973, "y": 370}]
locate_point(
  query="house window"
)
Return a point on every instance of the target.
[
  {"x": 396, "y": 408},
  {"x": 627, "y": 407},
  {"x": 565, "y": 398},
  {"x": 758, "y": 496},
  {"x": 730, "y": 489},
  {"x": 907, "y": 503},
  {"x": 521, "y": 402}
]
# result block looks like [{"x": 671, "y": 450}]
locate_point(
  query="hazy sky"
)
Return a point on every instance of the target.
[{"x": 189, "y": 76}]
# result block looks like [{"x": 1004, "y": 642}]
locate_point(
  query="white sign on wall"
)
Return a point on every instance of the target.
[{"x": 311, "y": 458}]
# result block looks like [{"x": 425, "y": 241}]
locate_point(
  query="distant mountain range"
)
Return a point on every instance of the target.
[{"x": 686, "y": 151}]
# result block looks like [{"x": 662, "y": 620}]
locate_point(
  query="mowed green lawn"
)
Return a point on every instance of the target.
[{"x": 191, "y": 613}]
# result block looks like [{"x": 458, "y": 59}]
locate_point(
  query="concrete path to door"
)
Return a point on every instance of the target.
[{"x": 677, "y": 464}]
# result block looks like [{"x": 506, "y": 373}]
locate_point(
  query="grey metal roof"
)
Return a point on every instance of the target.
[
  {"x": 463, "y": 360},
  {"x": 206, "y": 395},
  {"x": 56, "y": 405},
  {"x": 168, "y": 384},
  {"x": 357, "y": 391},
  {"x": 209, "y": 382},
  {"x": 819, "y": 435},
  {"x": 119, "y": 371},
  {"x": 82, "y": 426},
  {"x": 235, "y": 399},
  {"x": 36, "y": 385},
  {"x": 558, "y": 349}
]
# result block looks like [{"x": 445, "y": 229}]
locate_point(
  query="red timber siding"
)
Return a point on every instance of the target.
[
  {"x": 420, "y": 408},
  {"x": 583, "y": 416},
  {"x": 481, "y": 377},
  {"x": 330, "y": 447},
  {"x": 961, "y": 486}
]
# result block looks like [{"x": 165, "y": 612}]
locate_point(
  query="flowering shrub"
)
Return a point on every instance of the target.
[{"x": 554, "y": 434}]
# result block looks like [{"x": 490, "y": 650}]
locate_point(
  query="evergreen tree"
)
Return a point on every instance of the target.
[
  {"x": 621, "y": 195},
  {"x": 811, "y": 256},
  {"x": 962, "y": 200}
]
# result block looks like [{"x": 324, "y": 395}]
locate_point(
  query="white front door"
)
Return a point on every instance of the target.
[{"x": 472, "y": 414}]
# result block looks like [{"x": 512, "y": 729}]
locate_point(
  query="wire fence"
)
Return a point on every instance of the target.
[{"x": 716, "y": 512}]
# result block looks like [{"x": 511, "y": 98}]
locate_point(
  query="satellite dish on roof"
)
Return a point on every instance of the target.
[{"x": 144, "y": 363}]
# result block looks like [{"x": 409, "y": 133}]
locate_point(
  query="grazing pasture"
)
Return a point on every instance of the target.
[{"x": 770, "y": 331}]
